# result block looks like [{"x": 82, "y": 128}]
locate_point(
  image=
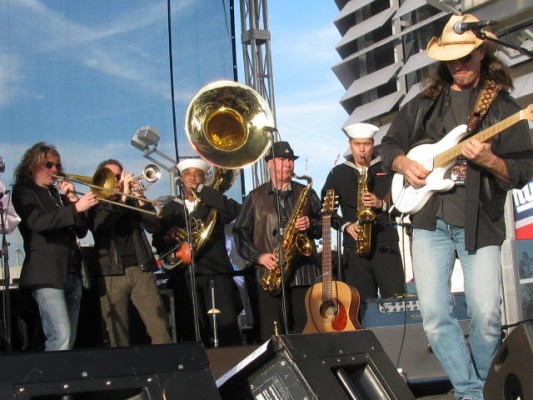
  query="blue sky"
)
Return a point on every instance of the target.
[{"x": 86, "y": 75}]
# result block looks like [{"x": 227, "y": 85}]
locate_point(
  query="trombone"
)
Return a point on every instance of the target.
[{"x": 102, "y": 183}]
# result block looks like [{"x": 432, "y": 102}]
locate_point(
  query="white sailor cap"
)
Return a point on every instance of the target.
[
  {"x": 193, "y": 163},
  {"x": 360, "y": 130}
]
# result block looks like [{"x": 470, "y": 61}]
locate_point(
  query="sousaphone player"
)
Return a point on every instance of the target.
[{"x": 213, "y": 269}]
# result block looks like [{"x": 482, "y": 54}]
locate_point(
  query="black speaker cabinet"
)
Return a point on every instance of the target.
[
  {"x": 175, "y": 371},
  {"x": 511, "y": 371},
  {"x": 333, "y": 366}
]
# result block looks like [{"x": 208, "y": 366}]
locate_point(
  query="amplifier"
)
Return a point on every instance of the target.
[
  {"x": 403, "y": 311},
  {"x": 397, "y": 323}
]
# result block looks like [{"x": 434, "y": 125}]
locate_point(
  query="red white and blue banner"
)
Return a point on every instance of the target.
[{"x": 523, "y": 212}]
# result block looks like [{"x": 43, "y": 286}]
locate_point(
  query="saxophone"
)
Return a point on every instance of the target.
[
  {"x": 294, "y": 244},
  {"x": 365, "y": 217}
]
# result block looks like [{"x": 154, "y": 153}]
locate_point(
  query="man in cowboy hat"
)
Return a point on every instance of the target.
[
  {"x": 382, "y": 267},
  {"x": 466, "y": 221},
  {"x": 256, "y": 233}
]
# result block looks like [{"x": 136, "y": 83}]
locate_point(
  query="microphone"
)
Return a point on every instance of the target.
[{"x": 462, "y": 27}]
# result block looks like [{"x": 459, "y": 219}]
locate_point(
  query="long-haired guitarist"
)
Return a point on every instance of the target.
[{"x": 466, "y": 218}]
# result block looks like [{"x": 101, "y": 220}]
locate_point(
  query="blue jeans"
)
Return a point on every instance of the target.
[
  {"x": 60, "y": 309},
  {"x": 433, "y": 254}
]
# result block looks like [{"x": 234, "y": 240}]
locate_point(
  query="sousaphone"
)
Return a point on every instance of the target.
[{"x": 229, "y": 124}]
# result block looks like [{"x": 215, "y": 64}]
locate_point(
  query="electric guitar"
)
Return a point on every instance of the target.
[
  {"x": 331, "y": 306},
  {"x": 438, "y": 158}
]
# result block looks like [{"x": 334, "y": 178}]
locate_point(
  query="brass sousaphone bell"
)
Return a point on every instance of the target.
[{"x": 229, "y": 124}]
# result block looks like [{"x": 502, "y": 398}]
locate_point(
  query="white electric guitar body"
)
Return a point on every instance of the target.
[{"x": 438, "y": 158}]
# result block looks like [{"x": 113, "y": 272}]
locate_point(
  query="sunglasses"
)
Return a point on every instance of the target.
[
  {"x": 118, "y": 177},
  {"x": 462, "y": 60},
  {"x": 50, "y": 164}
]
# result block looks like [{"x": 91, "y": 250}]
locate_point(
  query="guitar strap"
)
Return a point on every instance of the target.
[{"x": 486, "y": 96}]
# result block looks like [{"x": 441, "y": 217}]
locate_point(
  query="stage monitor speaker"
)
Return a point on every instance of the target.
[
  {"x": 333, "y": 366},
  {"x": 511, "y": 371},
  {"x": 174, "y": 371}
]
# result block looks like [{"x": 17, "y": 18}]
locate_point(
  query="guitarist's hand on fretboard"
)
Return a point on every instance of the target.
[{"x": 412, "y": 171}]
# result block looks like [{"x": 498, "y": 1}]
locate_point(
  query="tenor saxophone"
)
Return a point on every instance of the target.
[
  {"x": 365, "y": 217},
  {"x": 293, "y": 245}
]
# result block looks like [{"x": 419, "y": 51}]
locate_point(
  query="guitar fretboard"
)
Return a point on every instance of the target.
[
  {"x": 444, "y": 158},
  {"x": 326, "y": 258}
]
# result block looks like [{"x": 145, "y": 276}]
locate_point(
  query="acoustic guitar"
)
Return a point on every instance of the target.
[{"x": 331, "y": 306}]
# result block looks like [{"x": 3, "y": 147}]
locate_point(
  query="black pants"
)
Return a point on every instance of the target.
[{"x": 382, "y": 269}]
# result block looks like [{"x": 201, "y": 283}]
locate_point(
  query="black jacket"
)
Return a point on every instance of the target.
[
  {"x": 50, "y": 227},
  {"x": 343, "y": 179},
  {"x": 105, "y": 220},
  {"x": 213, "y": 257},
  {"x": 422, "y": 121}
]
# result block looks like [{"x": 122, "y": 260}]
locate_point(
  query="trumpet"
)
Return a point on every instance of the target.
[
  {"x": 102, "y": 183},
  {"x": 151, "y": 174}
]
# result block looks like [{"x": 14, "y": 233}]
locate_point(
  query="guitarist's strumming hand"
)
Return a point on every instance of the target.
[
  {"x": 412, "y": 170},
  {"x": 267, "y": 260},
  {"x": 481, "y": 154}
]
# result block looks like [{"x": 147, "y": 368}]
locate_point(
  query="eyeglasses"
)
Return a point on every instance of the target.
[
  {"x": 50, "y": 164},
  {"x": 462, "y": 60},
  {"x": 118, "y": 177}
]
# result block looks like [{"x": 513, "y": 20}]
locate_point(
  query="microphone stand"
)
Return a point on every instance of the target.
[
  {"x": 4, "y": 255},
  {"x": 281, "y": 255},
  {"x": 192, "y": 266},
  {"x": 483, "y": 36}
]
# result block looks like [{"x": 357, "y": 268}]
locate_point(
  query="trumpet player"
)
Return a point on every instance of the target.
[
  {"x": 52, "y": 220},
  {"x": 380, "y": 272},
  {"x": 125, "y": 260},
  {"x": 256, "y": 232},
  {"x": 215, "y": 287}
]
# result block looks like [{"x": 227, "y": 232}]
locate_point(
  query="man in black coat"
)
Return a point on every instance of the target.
[
  {"x": 51, "y": 225},
  {"x": 213, "y": 270},
  {"x": 126, "y": 261},
  {"x": 382, "y": 267}
]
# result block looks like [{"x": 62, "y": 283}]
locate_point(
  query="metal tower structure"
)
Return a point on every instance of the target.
[{"x": 255, "y": 39}]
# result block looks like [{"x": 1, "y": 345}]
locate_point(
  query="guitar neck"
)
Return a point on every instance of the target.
[
  {"x": 326, "y": 258},
  {"x": 452, "y": 153}
]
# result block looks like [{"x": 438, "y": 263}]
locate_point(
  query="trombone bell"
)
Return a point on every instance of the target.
[{"x": 228, "y": 124}]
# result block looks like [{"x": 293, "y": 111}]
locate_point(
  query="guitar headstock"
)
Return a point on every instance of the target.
[
  {"x": 528, "y": 112},
  {"x": 330, "y": 203}
]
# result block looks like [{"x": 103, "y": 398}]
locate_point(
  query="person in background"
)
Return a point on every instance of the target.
[
  {"x": 10, "y": 218},
  {"x": 125, "y": 260},
  {"x": 213, "y": 269},
  {"x": 468, "y": 220},
  {"x": 381, "y": 268},
  {"x": 256, "y": 231},
  {"x": 51, "y": 223}
]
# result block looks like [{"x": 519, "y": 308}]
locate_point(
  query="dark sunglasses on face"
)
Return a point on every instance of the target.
[
  {"x": 462, "y": 60},
  {"x": 118, "y": 177},
  {"x": 50, "y": 164}
]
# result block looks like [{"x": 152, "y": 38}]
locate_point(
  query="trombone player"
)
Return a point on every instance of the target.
[
  {"x": 213, "y": 269},
  {"x": 51, "y": 224},
  {"x": 125, "y": 259}
]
